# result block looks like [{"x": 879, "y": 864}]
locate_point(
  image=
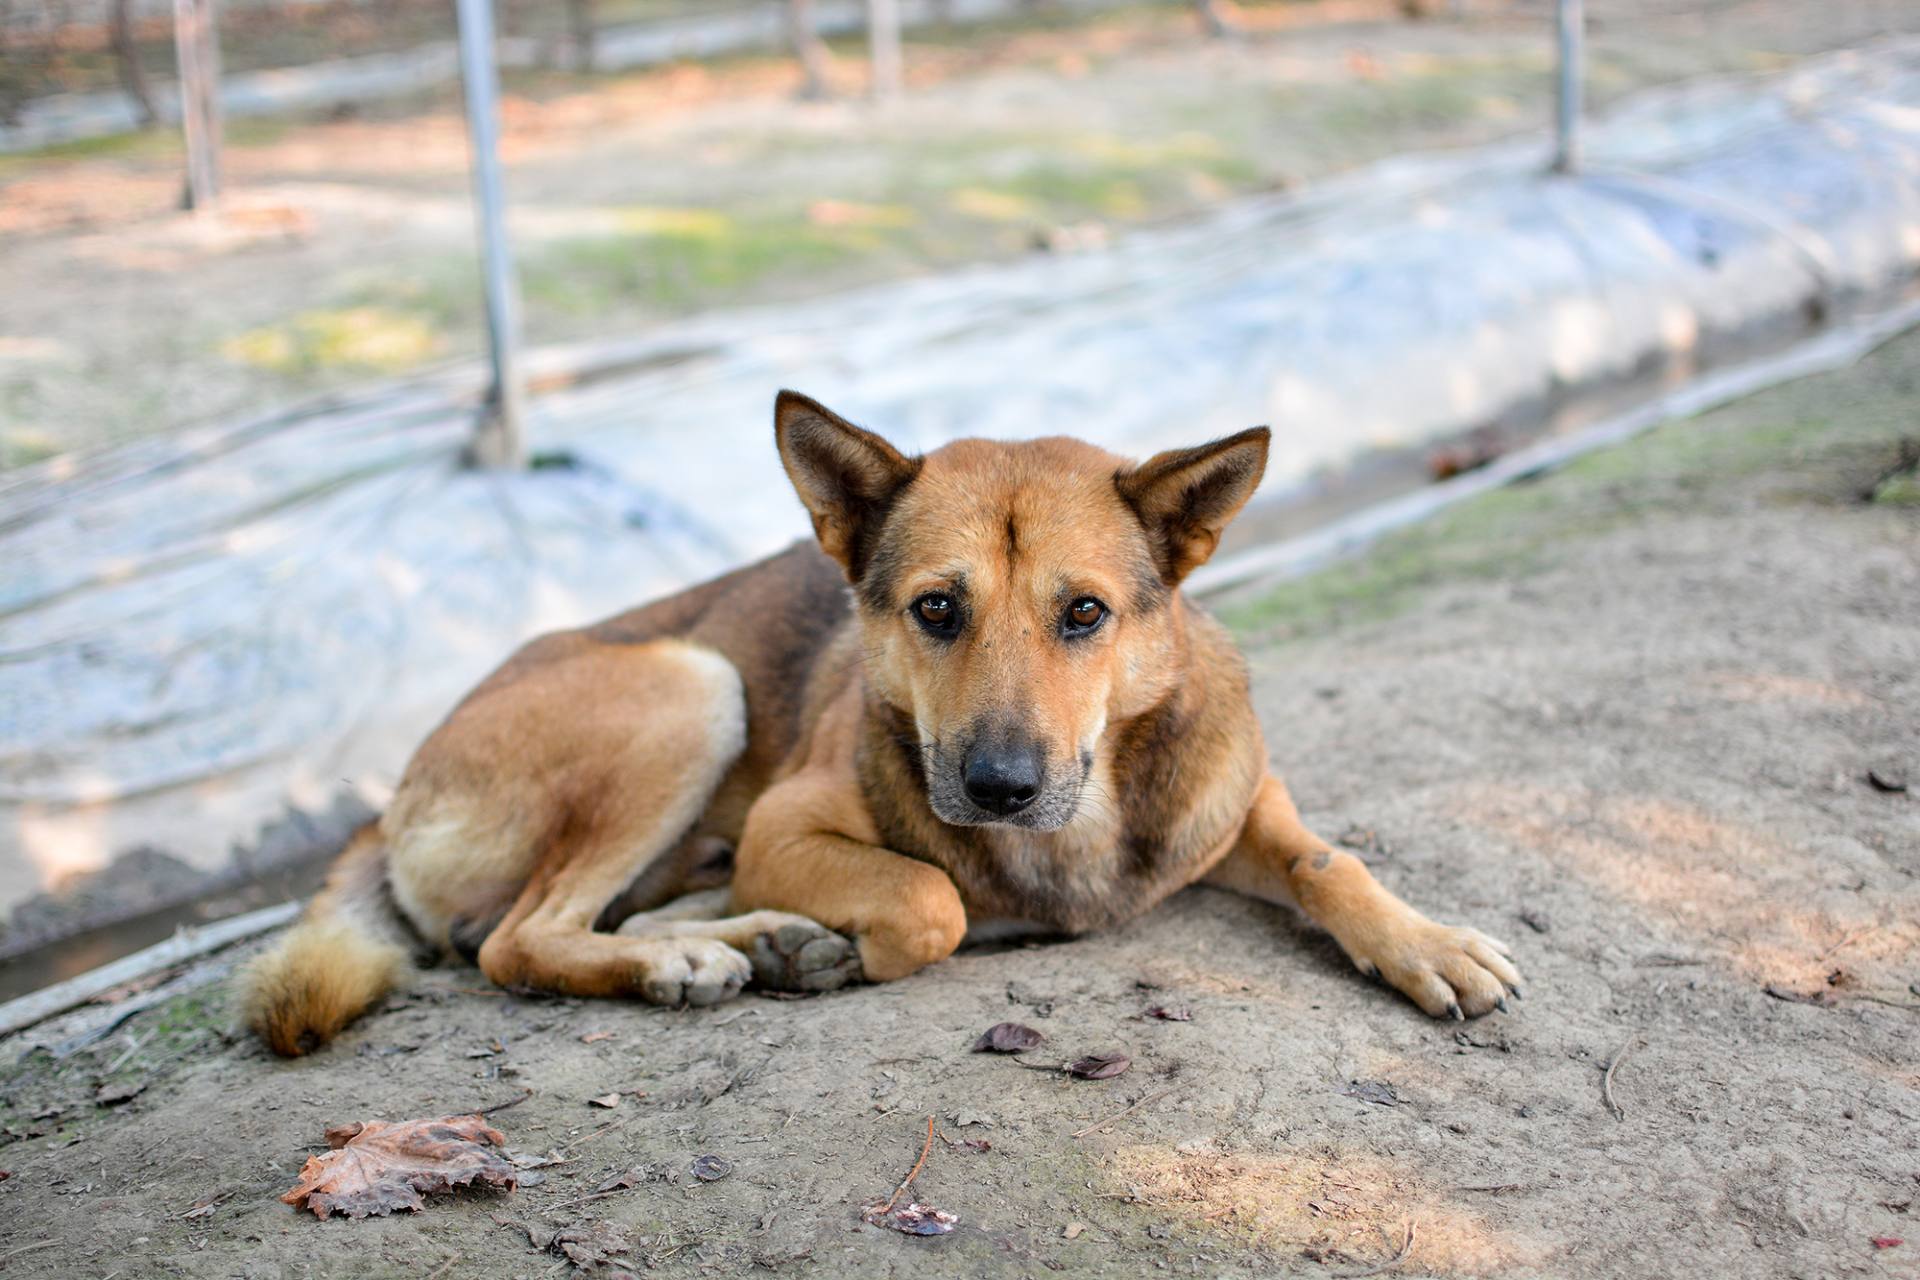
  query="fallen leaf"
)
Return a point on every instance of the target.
[
  {"x": 112, "y": 1095},
  {"x": 963, "y": 1118},
  {"x": 377, "y": 1167},
  {"x": 607, "y": 1100},
  {"x": 1887, "y": 1242},
  {"x": 1890, "y": 780},
  {"x": 599, "y": 1248},
  {"x": 1174, "y": 1013},
  {"x": 527, "y": 1160},
  {"x": 203, "y": 1208},
  {"x": 911, "y": 1219},
  {"x": 1008, "y": 1037},
  {"x": 1374, "y": 1091},
  {"x": 1073, "y": 1230},
  {"x": 1099, "y": 1066},
  {"x": 711, "y": 1168},
  {"x": 595, "y": 1037},
  {"x": 979, "y": 1146}
]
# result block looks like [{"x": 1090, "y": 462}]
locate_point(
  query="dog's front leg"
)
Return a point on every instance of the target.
[
  {"x": 810, "y": 848},
  {"x": 1446, "y": 970}
]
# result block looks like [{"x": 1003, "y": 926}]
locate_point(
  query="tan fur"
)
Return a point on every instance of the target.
[
  {"x": 342, "y": 956},
  {"x": 808, "y": 717}
]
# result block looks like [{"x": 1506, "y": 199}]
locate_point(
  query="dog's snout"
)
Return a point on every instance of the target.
[{"x": 1002, "y": 780}]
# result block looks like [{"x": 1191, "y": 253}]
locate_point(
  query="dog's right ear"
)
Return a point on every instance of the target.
[{"x": 846, "y": 477}]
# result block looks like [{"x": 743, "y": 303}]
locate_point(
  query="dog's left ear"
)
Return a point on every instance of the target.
[
  {"x": 1186, "y": 497},
  {"x": 846, "y": 477}
]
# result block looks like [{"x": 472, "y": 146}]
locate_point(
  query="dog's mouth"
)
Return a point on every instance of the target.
[{"x": 1054, "y": 803}]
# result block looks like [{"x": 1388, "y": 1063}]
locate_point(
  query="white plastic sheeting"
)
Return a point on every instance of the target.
[{"x": 192, "y": 628}]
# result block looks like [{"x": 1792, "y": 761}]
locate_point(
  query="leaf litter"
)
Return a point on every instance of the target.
[
  {"x": 1099, "y": 1066},
  {"x": 1008, "y": 1037},
  {"x": 913, "y": 1218},
  {"x": 376, "y": 1168}
]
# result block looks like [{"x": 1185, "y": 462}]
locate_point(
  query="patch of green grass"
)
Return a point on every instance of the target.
[
  {"x": 146, "y": 144},
  {"x": 1819, "y": 440},
  {"x": 371, "y": 338},
  {"x": 677, "y": 264}
]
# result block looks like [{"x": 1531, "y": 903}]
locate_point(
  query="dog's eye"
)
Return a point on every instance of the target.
[
  {"x": 936, "y": 612},
  {"x": 1085, "y": 614}
]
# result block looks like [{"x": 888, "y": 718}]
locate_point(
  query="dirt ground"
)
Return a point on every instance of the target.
[
  {"x": 1645, "y": 719},
  {"x": 347, "y": 255}
]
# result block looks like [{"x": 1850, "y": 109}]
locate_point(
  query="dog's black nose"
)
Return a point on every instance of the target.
[{"x": 1002, "y": 780}]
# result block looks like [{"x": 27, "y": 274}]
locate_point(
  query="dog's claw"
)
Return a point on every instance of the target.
[{"x": 1501, "y": 1004}]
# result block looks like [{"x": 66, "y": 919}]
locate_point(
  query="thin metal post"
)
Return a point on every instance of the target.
[
  {"x": 499, "y": 439},
  {"x": 197, "y": 51},
  {"x": 1572, "y": 27},
  {"x": 883, "y": 47}
]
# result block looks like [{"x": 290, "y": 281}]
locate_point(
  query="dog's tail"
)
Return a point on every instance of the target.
[{"x": 347, "y": 951}]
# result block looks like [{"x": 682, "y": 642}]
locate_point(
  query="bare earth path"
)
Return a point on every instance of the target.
[{"x": 1624, "y": 717}]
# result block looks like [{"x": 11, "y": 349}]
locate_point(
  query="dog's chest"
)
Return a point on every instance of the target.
[{"x": 1071, "y": 879}]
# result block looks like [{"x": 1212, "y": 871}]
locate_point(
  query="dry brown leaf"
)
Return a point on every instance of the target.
[
  {"x": 1099, "y": 1066},
  {"x": 595, "y": 1037},
  {"x": 911, "y": 1219},
  {"x": 376, "y": 1167},
  {"x": 606, "y": 1100},
  {"x": 1007, "y": 1037}
]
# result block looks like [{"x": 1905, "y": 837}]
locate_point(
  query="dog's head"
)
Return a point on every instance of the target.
[{"x": 1016, "y": 599}]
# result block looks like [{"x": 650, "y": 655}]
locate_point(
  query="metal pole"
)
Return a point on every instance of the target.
[
  {"x": 198, "y": 53},
  {"x": 1572, "y": 24},
  {"x": 883, "y": 45},
  {"x": 499, "y": 440}
]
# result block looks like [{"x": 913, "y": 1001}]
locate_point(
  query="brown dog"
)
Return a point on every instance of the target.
[{"x": 1013, "y": 715}]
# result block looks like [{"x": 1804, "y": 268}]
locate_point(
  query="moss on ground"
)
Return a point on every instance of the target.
[{"x": 1835, "y": 438}]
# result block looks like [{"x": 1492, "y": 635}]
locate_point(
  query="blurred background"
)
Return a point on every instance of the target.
[{"x": 270, "y": 500}]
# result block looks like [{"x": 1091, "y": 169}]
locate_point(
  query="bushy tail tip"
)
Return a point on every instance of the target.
[{"x": 322, "y": 976}]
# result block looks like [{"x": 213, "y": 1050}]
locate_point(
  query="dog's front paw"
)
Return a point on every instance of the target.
[
  {"x": 1450, "y": 972},
  {"x": 803, "y": 956},
  {"x": 696, "y": 971}
]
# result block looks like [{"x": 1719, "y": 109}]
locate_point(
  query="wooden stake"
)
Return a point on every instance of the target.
[{"x": 197, "y": 49}]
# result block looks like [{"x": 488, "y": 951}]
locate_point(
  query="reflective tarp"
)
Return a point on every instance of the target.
[{"x": 192, "y": 628}]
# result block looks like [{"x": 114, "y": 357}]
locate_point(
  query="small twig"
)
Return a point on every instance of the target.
[
  {"x": 1495, "y": 1188},
  {"x": 917, "y": 1166},
  {"x": 1606, "y": 1081},
  {"x": 605, "y": 1128},
  {"x": 1406, "y": 1251},
  {"x": 444, "y": 1267},
  {"x": 1850, "y": 939},
  {"x": 1121, "y": 1115},
  {"x": 554, "y": 1208},
  {"x": 134, "y": 1045},
  {"x": 27, "y": 1248},
  {"x": 502, "y": 1106}
]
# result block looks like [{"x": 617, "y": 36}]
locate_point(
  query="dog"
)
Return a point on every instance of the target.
[{"x": 979, "y": 695}]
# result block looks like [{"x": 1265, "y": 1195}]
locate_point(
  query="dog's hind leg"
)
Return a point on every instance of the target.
[{"x": 658, "y": 727}]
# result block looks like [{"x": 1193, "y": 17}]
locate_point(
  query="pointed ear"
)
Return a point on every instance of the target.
[
  {"x": 1185, "y": 497},
  {"x": 847, "y": 478}
]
